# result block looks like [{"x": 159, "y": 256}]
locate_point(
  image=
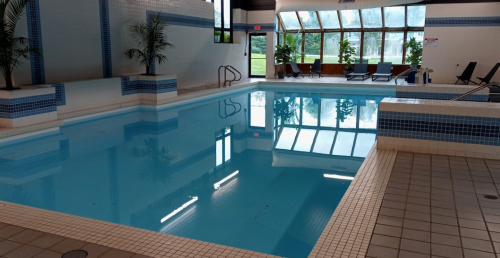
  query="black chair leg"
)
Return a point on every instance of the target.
[{"x": 457, "y": 81}]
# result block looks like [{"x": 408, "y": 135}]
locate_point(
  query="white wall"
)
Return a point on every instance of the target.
[
  {"x": 461, "y": 45},
  {"x": 71, "y": 36}
]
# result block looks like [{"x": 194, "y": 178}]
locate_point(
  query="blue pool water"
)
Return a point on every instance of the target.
[{"x": 252, "y": 171}]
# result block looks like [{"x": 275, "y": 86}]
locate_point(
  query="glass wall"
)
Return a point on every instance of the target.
[{"x": 378, "y": 34}]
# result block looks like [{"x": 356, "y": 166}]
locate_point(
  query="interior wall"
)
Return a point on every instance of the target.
[
  {"x": 459, "y": 44},
  {"x": 74, "y": 37}
]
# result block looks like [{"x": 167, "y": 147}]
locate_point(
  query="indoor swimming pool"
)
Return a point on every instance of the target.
[{"x": 261, "y": 170}]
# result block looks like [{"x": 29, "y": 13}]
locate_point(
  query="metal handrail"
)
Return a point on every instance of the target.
[
  {"x": 232, "y": 70},
  {"x": 472, "y": 91},
  {"x": 397, "y": 76}
]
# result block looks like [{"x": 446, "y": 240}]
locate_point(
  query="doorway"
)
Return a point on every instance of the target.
[{"x": 257, "y": 59}]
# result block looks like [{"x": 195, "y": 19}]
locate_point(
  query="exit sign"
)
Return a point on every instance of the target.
[{"x": 256, "y": 27}]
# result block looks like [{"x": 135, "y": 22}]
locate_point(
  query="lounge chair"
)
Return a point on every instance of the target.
[
  {"x": 316, "y": 68},
  {"x": 383, "y": 70},
  {"x": 295, "y": 70},
  {"x": 359, "y": 70},
  {"x": 490, "y": 75},
  {"x": 467, "y": 74}
]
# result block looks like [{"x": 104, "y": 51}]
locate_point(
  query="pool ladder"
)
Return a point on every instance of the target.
[
  {"x": 236, "y": 106},
  {"x": 232, "y": 70}
]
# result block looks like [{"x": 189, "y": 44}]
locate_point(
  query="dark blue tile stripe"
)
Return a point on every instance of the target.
[
  {"x": 245, "y": 135},
  {"x": 105, "y": 39},
  {"x": 152, "y": 87},
  {"x": 264, "y": 27},
  {"x": 460, "y": 129},
  {"x": 35, "y": 37},
  {"x": 60, "y": 94},
  {"x": 463, "y": 22},
  {"x": 440, "y": 96},
  {"x": 27, "y": 106}
]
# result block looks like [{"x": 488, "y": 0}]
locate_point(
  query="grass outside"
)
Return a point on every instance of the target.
[{"x": 258, "y": 65}]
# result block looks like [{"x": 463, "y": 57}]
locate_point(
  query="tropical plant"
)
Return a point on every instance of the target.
[
  {"x": 12, "y": 49},
  {"x": 284, "y": 110},
  {"x": 295, "y": 43},
  {"x": 347, "y": 51},
  {"x": 151, "y": 40},
  {"x": 156, "y": 161},
  {"x": 345, "y": 108},
  {"x": 282, "y": 54},
  {"x": 415, "y": 55}
]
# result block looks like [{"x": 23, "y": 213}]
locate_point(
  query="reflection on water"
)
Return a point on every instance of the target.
[{"x": 174, "y": 171}]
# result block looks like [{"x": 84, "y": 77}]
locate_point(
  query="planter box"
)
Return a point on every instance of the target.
[{"x": 28, "y": 106}]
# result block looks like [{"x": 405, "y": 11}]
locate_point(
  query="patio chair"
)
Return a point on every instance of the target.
[
  {"x": 467, "y": 74},
  {"x": 489, "y": 75},
  {"x": 316, "y": 68},
  {"x": 295, "y": 70},
  {"x": 359, "y": 70},
  {"x": 383, "y": 70}
]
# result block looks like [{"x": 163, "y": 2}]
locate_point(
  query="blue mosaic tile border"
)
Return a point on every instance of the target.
[
  {"x": 105, "y": 39},
  {"x": 35, "y": 37},
  {"x": 60, "y": 94},
  {"x": 459, "y": 129},
  {"x": 183, "y": 20},
  {"x": 264, "y": 27},
  {"x": 153, "y": 87},
  {"x": 440, "y": 96},
  {"x": 463, "y": 22},
  {"x": 249, "y": 134},
  {"x": 27, "y": 106}
]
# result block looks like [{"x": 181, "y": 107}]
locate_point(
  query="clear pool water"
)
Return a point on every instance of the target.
[{"x": 255, "y": 170}]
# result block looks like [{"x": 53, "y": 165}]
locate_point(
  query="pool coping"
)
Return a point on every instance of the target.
[{"x": 347, "y": 234}]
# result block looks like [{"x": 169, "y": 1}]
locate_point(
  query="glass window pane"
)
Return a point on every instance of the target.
[
  {"x": 217, "y": 13},
  {"x": 312, "y": 47},
  {"x": 258, "y": 109},
  {"x": 227, "y": 14},
  {"x": 227, "y": 37},
  {"x": 350, "y": 19},
  {"x": 372, "y": 18},
  {"x": 368, "y": 115},
  {"x": 309, "y": 20},
  {"x": 295, "y": 111},
  {"x": 393, "y": 50},
  {"x": 324, "y": 142},
  {"x": 343, "y": 144},
  {"x": 328, "y": 112},
  {"x": 364, "y": 143},
  {"x": 218, "y": 153},
  {"x": 372, "y": 47},
  {"x": 310, "y": 112},
  {"x": 346, "y": 113},
  {"x": 290, "y": 20},
  {"x": 305, "y": 140},
  {"x": 331, "y": 47},
  {"x": 418, "y": 35},
  {"x": 329, "y": 19},
  {"x": 416, "y": 16},
  {"x": 394, "y": 16},
  {"x": 286, "y": 138},
  {"x": 355, "y": 39},
  {"x": 227, "y": 148}
]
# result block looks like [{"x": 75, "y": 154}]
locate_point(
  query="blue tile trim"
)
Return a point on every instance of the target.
[
  {"x": 35, "y": 37},
  {"x": 440, "y": 96},
  {"x": 460, "y": 129},
  {"x": 105, "y": 39},
  {"x": 463, "y": 22},
  {"x": 239, "y": 26},
  {"x": 264, "y": 27},
  {"x": 60, "y": 94},
  {"x": 151, "y": 87},
  {"x": 249, "y": 134},
  {"x": 27, "y": 106},
  {"x": 183, "y": 20}
]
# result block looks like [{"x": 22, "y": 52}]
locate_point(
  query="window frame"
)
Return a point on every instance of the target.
[{"x": 222, "y": 29}]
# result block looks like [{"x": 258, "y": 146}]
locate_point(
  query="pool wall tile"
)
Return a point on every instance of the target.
[
  {"x": 35, "y": 37},
  {"x": 146, "y": 86}
]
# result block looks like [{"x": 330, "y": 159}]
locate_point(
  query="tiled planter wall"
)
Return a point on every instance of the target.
[
  {"x": 442, "y": 92},
  {"x": 470, "y": 129}
]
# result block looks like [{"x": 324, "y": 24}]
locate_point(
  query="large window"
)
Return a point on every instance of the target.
[
  {"x": 378, "y": 34},
  {"x": 223, "y": 147},
  {"x": 223, "y": 21},
  {"x": 258, "y": 109}
]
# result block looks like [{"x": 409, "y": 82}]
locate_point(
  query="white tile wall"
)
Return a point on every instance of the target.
[{"x": 461, "y": 45}]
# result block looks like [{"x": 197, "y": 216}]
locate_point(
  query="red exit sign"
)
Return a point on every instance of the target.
[{"x": 256, "y": 27}]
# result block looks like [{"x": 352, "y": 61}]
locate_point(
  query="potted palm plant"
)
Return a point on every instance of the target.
[
  {"x": 347, "y": 52},
  {"x": 151, "y": 40},
  {"x": 12, "y": 49},
  {"x": 415, "y": 55},
  {"x": 282, "y": 56}
]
